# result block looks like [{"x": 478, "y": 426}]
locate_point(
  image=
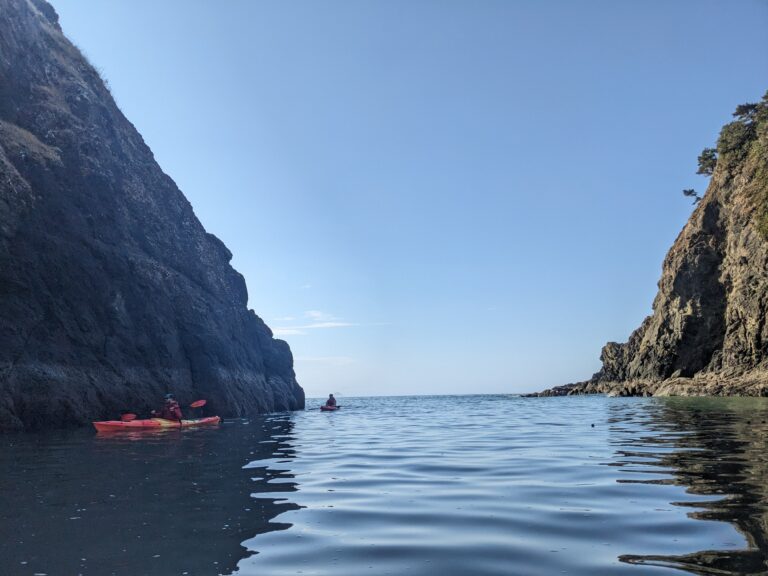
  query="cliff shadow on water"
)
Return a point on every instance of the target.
[
  {"x": 718, "y": 450},
  {"x": 171, "y": 502}
]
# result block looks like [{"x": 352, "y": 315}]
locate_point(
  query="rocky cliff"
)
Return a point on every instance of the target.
[
  {"x": 111, "y": 291},
  {"x": 707, "y": 334}
]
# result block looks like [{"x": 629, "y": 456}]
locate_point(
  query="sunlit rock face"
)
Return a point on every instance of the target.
[
  {"x": 111, "y": 291},
  {"x": 708, "y": 329},
  {"x": 708, "y": 333}
]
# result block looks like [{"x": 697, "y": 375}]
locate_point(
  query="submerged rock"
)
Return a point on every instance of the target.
[{"x": 111, "y": 291}]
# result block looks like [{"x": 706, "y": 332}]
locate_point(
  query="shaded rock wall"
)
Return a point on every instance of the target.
[{"x": 111, "y": 291}]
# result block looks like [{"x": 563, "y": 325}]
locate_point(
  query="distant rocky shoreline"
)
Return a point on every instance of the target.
[{"x": 752, "y": 384}]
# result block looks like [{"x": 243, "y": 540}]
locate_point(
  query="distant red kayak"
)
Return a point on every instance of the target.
[
  {"x": 329, "y": 408},
  {"x": 152, "y": 424}
]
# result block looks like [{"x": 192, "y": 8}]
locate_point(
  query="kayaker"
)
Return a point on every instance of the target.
[
  {"x": 170, "y": 410},
  {"x": 331, "y": 401}
]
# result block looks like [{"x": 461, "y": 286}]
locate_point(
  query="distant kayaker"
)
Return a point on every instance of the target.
[
  {"x": 331, "y": 401},
  {"x": 170, "y": 410}
]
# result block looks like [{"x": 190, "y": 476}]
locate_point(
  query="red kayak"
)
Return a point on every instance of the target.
[
  {"x": 152, "y": 424},
  {"x": 329, "y": 408}
]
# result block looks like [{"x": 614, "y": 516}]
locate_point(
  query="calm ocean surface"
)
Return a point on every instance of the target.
[{"x": 469, "y": 485}]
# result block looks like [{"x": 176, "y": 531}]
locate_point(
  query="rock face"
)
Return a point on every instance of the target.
[
  {"x": 708, "y": 332},
  {"x": 111, "y": 291}
]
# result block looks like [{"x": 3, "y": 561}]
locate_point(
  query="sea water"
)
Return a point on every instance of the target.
[{"x": 441, "y": 485}]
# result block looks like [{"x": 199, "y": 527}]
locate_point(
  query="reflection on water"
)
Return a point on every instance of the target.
[
  {"x": 157, "y": 503},
  {"x": 481, "y": 485},
  {"x": 720, "y": 451}
]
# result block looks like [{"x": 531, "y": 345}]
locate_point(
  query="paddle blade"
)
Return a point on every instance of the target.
[
  {"x": 198, "y": 404},
  {"x": 128, "y": 417}
]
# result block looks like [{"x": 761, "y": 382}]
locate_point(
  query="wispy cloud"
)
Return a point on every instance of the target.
[
  {"x": 319, "y": 316},
  {"x": 327, "y": 360},
  {"x": 288, "y": 332},
  {"x": 315, "y": 320},
  {"x": 330, "y": 325}
]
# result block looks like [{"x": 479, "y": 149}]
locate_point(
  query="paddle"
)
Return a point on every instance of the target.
[
  {"x": 198, "y": 404},
  {"x": 195, "y": 404}
]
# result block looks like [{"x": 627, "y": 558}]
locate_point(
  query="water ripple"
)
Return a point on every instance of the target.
[
  {"x": 480, "y": 485},
  {"x": 512, "y": 486}
]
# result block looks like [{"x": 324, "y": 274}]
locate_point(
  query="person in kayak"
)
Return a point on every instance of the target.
[
  {"x": 331, "y": 402},
  {"x": 170, "y": 410}
]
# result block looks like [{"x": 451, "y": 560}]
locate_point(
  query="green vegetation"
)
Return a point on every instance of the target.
[
  {"x": 691, "y": 193},
  {"x": 733, "y": 142},
  {"x": 750, "y": 142},
  {"x": 747, "y": 112},
  {"x": 758, "y": 185},
  {"x": 742, "y": 147},
  {"x": 736, "y": 139},
  {"x": 707, "y": 161}
]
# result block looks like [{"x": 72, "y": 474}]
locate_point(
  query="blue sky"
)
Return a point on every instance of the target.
[{"x": 434, "y": 196}]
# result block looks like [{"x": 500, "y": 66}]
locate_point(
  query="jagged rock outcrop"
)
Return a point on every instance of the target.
[
  {"x": 111, "y": 291},
  {"x": 708, "y": 332}
]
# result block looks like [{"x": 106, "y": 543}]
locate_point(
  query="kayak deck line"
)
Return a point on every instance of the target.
[{"x": 152, "y": 424}]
